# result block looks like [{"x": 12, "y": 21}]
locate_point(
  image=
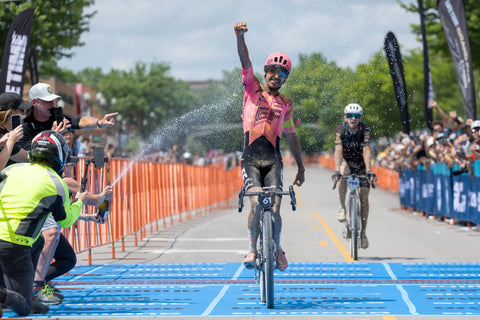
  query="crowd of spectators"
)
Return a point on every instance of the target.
[
  {"x": 452, "y": 141},
  {"x": 30, "y": 223},
  {"x": 214, "y": 157}
]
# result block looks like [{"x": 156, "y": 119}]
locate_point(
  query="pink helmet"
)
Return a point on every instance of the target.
[{"x": 281, "y": 59}]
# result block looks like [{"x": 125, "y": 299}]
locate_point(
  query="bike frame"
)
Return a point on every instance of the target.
[
  {"x": 353, "y": 224},
  {"x": 266, "y": 244},
  {"x": 354, "y": 221}
]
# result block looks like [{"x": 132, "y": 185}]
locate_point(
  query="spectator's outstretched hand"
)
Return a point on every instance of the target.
[{"x": 108, "y": 120}]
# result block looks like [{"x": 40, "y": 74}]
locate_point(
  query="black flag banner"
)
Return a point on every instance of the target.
[
  {"x": 394, "y": 59},
  {"x": 32, "y": 58},
  {"x": 427, "y": 76},
  {"x": 16, "y": 53},
  {"x": 452, "y": 15}
]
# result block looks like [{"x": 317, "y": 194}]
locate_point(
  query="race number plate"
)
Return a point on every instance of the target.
[
  {"x": 266, "y": 199},
  {"x": 353, "y": 183}
]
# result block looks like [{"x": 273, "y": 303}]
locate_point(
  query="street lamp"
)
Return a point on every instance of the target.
[
  {"x": 120, "y": 137},
  {"x": 87, "y": 106},
  {"x": 102, "y": 101}
]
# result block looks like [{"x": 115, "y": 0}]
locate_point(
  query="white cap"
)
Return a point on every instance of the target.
[
  {"x": 430, "y": 141},
  {"x": 406, "y": 139},
  {"x": 42, "y": 91},
  {"x": 475, "y": 124}
]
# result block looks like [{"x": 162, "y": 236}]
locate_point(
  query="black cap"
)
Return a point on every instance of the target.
[{"x": 11, "y": 100}]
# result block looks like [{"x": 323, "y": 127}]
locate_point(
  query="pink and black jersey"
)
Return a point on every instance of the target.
[{"x": 264, "y": 114}]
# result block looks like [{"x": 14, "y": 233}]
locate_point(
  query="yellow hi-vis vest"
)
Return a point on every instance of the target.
[{"x": 29, "y": 192}]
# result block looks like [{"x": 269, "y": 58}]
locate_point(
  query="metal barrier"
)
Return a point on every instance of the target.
[{"x": 150, "y": 195}]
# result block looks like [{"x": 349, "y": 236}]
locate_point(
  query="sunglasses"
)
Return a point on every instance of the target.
[
  {"x": 477, "y": 129},
  {"x": 353, "y": 115},
  {"x": 278, "y": 70}
]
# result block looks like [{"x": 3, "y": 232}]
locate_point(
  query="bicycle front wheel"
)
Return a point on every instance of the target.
[
  {"x": 268, "y": 255},
  {"x": 261, "y": 268},
  {"x": 353, "y": 215}
]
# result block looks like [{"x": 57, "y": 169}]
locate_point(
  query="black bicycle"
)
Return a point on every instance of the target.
[
  {"x": 353, "y": 224},
  {"x": 266, "y": 253}
]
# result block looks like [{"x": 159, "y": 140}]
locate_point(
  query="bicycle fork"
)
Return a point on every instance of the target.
[
  {"x": 260, "y": 261},
  {"x": 353, "y": 222}
]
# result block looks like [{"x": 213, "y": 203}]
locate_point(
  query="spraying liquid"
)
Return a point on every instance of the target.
[
  {"x": 207, "y": 118},
  {"x": 123, "y": 173}
]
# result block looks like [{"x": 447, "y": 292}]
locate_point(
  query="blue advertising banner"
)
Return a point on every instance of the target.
[
  {"x": 404, "y": 187},
  {"x": 427, "y": 190},
  {"x": 436, "y": 191}
]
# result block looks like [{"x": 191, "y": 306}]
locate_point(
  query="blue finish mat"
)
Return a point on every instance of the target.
[{"x": 306, "y": 289}]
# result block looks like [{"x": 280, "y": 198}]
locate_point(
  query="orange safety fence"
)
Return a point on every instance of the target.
[
  {"x": 386, "y": 178},
  {"x": 149, "y": 196}
]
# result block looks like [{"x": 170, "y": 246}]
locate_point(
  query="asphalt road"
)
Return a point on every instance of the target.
[
  {"x": 311, "y": 237},
  {"x": 312, "y": 233}
]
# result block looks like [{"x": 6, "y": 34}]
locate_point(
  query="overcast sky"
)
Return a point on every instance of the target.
[{"x": 196, "y": 39}]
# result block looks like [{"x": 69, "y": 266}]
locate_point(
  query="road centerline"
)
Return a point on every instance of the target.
[{"x": 334, "y": 238}]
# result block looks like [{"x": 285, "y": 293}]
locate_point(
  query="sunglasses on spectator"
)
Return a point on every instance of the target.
[
  {"x": 477, "y": 129},
  {"x": 353, "y": 115}
]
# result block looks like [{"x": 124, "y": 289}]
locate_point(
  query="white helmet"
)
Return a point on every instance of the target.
[
  {"x": 353, "y": 108},
  {"x": 475, "y": 124}
]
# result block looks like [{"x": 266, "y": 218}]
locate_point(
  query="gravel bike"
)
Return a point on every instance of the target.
[
  {"x": 353, "y": 224},
  {"x": 266, "y": 253}
]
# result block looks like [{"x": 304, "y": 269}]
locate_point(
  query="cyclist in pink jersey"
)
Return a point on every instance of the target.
[{"x": 266, "y": 114}]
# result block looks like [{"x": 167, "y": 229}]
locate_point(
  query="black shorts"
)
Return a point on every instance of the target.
[
  {"x": 262, "y": 165},
  {"x": 358, "y": 169}
]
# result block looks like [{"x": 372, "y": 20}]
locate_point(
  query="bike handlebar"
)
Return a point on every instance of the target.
[
  {"x": 290, "y": 192},
  {"x": 361, "y": 177}
]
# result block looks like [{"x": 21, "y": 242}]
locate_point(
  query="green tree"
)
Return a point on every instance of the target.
[
  {"x": 51, "y": 69},
  {"x": 445, "y": 83},
  {"x": 314, "y": 87},
  {"x": 218, "y": 123},
  {"x": 437, "y": 41},
  {"x": 57, "y": 27},
  {"x": 372, "y": 88},
  {"x": 146, "y": 97}
]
